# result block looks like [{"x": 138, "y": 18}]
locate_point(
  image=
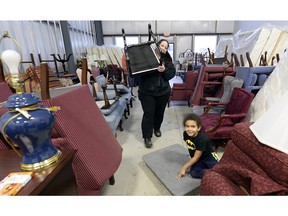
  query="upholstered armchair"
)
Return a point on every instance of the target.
[
  {"x": 219, "y": 125},
  {"x": 98, "y": 152},
  {"x": 247, "y": 167},
  {"x": 183, "y": 91}
]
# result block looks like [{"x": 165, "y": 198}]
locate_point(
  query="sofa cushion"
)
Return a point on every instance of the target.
[
  {"x": 272, "y": 161},
  {"x": 213, "y": 183},
  {"x": 247, "y": 173}
]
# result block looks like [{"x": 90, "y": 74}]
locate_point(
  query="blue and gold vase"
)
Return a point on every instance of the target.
[{"x": 28, "y": 126}]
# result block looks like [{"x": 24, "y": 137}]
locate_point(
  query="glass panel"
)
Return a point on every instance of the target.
[
  {"x": 202, "y": 42},
  {"x": 129, "y": 40}
]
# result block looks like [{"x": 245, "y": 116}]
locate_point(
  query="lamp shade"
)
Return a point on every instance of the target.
[{"x": 12, "y": 59}]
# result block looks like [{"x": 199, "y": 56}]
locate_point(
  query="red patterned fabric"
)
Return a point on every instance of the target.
[
  {"x": 5, "y": 91},
  {"x": 247, "y": 163},
  {"x": 274, "y": 162},
  {"x": 217, "y": 184},
  {"x": 224, "y": 132},
  {"x": 2, "y": 112},
  {"x": 80, "y": 125},
  {"x": 235, "y": 112}
]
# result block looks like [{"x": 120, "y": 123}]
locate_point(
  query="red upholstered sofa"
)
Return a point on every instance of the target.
[{"x": 247, "y": 167}]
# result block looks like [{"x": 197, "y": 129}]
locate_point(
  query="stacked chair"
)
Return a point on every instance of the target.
[
  {"x": 113, "y": 108},
  {"x": 254, "y": 77},
  {"x": 113, "y": 89},
  {"x": 210, "y": 81}
]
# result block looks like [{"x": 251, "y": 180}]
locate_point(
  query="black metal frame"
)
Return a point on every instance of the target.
[{"x": 146, "y": 59}]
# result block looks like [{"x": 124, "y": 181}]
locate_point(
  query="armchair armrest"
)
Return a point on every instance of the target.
[
  {"x": 211, "y": 104},
  {"x": 179, "y": 88},
  {"x": 211, "y": 83},
  {"x": 231, "y": 116},
  {"x": 179, "y": 85},
  {"x": 222, "y": 118}
]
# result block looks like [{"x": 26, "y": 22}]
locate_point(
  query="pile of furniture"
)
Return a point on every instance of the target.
[{"x": 247, "y": 167}]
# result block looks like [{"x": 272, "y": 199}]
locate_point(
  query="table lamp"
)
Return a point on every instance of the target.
[{"x": 27, "y": 124}]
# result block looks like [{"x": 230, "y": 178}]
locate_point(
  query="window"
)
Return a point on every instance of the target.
[
  {"x": 129, "y": 40},
  {"x": 171, "y": 50},
  {"x": 202, "y": 42}
]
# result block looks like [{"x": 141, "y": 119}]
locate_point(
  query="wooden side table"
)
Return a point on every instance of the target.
[{"x": 50, "y": 181}]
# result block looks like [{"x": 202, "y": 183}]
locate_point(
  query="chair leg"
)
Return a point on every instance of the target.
[
  {"x": 131, "y": 102},
  {"x": 112, "y": 180},
  {"x": 128, "y": 109},
  {"x": 120, "y": 125}
]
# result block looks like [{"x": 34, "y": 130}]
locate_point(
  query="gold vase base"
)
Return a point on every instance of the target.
[{"x": 43, "y": 164}]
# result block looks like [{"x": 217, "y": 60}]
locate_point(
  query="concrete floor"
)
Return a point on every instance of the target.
[{"x": 133, "y": 176}]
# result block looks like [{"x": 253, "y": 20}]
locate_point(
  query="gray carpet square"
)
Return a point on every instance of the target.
[{"x": 165, "y": 163}]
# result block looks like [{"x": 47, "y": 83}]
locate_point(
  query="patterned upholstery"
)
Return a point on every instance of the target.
[
  {"x": 98, "y": 152},
  {"x": 236, "y": 110},
  {"x": 274, "y": 162},
  {"x": 248, "y": 164},
  {"x": 5, "y": 91},
  {"x": 2, "y": 112}
]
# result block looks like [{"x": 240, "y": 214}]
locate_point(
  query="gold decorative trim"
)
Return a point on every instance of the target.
[{"x": 43, "y": 164}]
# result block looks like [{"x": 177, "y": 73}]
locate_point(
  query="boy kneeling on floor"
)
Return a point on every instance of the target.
[{"x": 199, "y": 147}]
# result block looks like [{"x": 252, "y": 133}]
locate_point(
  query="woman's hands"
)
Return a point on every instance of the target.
[{"x": 161, "y": 68}]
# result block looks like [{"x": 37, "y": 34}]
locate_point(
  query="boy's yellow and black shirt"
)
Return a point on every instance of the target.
[{"x": 201, "y": 143}]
